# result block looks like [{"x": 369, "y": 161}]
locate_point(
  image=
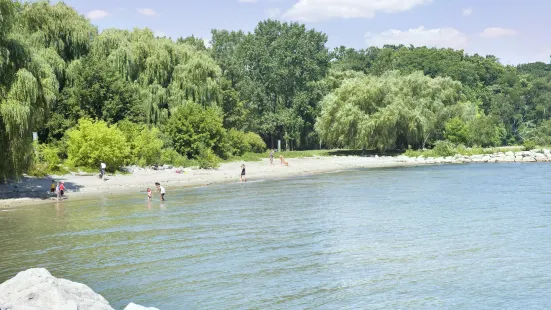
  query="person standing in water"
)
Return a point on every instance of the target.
[
  {"x": 149, "y": 194},
  {"x": 243, "y": 178},
  {"x": 61, "y": 189},
  {"x": 272, "y": 157},
  {"x": 161, "y": 190},
  {"x": 52, "y": 187}
]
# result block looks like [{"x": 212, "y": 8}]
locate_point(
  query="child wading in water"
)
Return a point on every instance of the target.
[
  {"x": 243, "y": 178},
  {"x": 149, "y": 193}
]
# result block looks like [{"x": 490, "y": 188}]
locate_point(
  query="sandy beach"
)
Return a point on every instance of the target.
[{"x": 34, "y": 190}]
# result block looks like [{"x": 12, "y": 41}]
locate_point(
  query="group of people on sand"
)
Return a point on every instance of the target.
[
  {"x": 58, "y": 189},
  {"x": 281, "y": 159}
]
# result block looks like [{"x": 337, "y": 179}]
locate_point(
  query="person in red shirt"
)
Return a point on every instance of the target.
[{"x": 61, "y": 189}]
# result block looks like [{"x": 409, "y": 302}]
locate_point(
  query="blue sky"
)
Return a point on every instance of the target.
[{"x": 515, "y": 31}]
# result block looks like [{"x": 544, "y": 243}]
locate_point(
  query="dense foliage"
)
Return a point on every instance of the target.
[{"x": 127, "y": 97}]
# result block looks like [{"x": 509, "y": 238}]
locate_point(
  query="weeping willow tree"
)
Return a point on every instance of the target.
[
  {"x": 36, "y": 41},
  {"x": 28, "y": 88},
  {"x": 168, "y": 73},
  {"x": 388, "y": 111}
]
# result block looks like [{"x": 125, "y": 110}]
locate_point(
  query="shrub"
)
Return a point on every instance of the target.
[
  {"x": 192, "y": 127},
  {"x": 444, "y": 148},
  {"x": 237, "y": 142},
  {"x": 49, "y": 155},
  {"x": 145, "y": 143},
  {"x": 529, "y": 145},
  {"x": 207, "y": 159},
  {"x": 456, "y": 131},
  {"x": 90, "y": 143},
  {"x": 255, "y": 142}
]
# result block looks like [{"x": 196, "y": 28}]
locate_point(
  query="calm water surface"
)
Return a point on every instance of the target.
[{"x": 443, "y": 237}]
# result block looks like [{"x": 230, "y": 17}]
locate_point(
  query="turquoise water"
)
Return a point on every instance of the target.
[{"x": 441, "y": 237}]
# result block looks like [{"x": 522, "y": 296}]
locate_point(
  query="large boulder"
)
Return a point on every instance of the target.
[
  {"x": 37, "y": 289},
  {"x": 133, "y": 306}
]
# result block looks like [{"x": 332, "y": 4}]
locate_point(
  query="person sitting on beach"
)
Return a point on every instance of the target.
[
  {"x": 243, "y": 178},
  {"x": 52, "y": 187},
  {"x": 161, "y": 190},
  {"x": 149, "y": 193},
  {"x": 283, "y": 161}
]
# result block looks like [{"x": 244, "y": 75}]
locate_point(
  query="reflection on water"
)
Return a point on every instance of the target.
[{"x": 465, "y": 237}]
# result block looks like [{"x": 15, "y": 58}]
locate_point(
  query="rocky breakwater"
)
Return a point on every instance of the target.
[
  {"x": 37, "y": 289},
  {"x": 533, "y": 156}
]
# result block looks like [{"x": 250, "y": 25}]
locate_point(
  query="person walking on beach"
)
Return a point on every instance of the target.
[
  {"x": 102, "y": 170},
  {"x": 272, "y": 157},
  {"x": 161, "y": 190},
  {"x": 243, "y": 178}
]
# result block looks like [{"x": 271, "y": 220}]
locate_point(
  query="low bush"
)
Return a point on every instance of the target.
[
  {"x": 444, "y": 149},
  {"x": 529, "y": 145},
  {"x": 255, "y": 142}
]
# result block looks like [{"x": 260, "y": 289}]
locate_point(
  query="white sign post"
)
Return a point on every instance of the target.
[{"x": 279, "y": 145}]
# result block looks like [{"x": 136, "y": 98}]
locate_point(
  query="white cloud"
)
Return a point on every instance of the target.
[
  {"x": 496, "y": 32},
  {"x": 248, "y": 1},
  {"x": 273, "y": 13},
  {"x": 207, "y": 43},
  {"x": 147, "y": 12},
  {"x": 439, "y": 37},
  {"x": 159, "y": 34},
  {"x": 317, "y": 10},
  {"x": 97, "y": 14},
  {"x": 467, "y": 11}
]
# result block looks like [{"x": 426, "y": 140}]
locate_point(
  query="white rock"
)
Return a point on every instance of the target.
[
  {"x": 528, "y": 159},
  {"x": 509, "y": 154},
  {"x": 546, "y": 152},
  {"x": 133, "y": 306},
  {"x": 37, "y": 289}
]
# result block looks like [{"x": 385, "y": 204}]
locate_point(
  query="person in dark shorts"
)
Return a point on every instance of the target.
[
  {"x": 243, "y": 178},
  {"x": 52, "y": 187},
  {"x": 161, "y": 190},
  {"x": 61, "y": 189}
]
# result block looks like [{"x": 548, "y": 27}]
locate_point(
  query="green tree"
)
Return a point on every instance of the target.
[{"x": 392, "y": 111}]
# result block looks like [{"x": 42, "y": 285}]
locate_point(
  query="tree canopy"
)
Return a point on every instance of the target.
[{"x": 180, "y": 100}]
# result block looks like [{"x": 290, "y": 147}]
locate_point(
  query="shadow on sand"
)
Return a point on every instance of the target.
[{"x": 36, "y": 188}]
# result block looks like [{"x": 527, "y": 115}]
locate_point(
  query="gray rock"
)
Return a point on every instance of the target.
[
  {"x": 37, "y": 289},
  {"x": 540, "y": 157},
  {"x": 528, "y": 159},
  {"x": 133, "y": 306},
  {"x": 510, "y": 159}
]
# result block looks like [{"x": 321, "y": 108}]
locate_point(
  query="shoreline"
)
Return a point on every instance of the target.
[{"x": 33, "y": 191}]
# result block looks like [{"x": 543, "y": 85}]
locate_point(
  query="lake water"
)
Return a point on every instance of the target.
[{"x": 440, "y": 237}]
